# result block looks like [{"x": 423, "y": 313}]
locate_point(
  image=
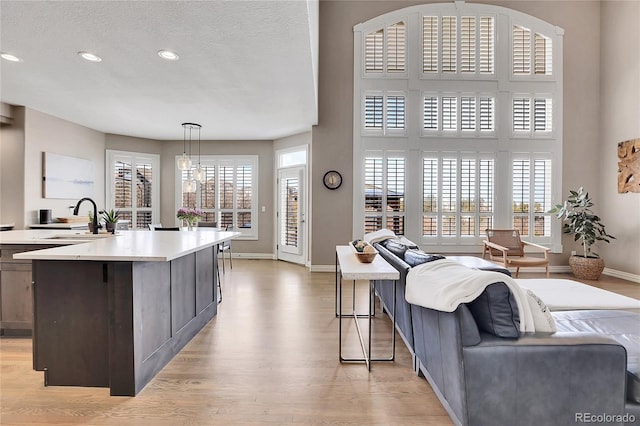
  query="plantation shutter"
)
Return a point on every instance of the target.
[
  {"x": 521, "y": 50},
  {"x": 521, "y": 114},
  {"x": 487, "y": 46},
  {"x": 244, "y": 196},
  {"x": 373, "y": 52},
  {"x": 449, "y": 46},
  {"x": 542, "y": 116},
  {"x": 487, "y": 106},
  {"x": 395, "y": 112},
  {"x": 468, "y": 44},
  {"x": 449, "y": 113},
  {"x": 430, "y": 196},
  {"x": 542, "y": 55},
  {"x": 449, "y": 196},
  {"x": 396, "y": 48},
  {"x": 430, "y": 44},
  {"x": 373, "y": 112},
  {"x": 430, "y": 119},
  {"x": 485, "y": 204},
  {"x": 373, "y": 194},
  {"x": 542, "y": 197},
  {"x": 394, "y": 207},
  {"x": 467, "y": 113}
]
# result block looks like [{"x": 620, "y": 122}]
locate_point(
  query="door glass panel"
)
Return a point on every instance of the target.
[{"x": 289, "y": 212}]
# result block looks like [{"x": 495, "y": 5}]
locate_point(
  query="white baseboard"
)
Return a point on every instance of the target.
[
  {"x": 259, "y": 256},
  {"x": 322, "y": 268},
  {"x": 622, "y": 275}
]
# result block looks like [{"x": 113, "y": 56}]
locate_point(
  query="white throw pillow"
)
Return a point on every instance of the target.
[
  {"x": 377, "y": 236},
  {"x": 542, "y": 319}
]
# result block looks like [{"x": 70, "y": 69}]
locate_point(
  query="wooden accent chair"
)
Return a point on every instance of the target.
[{"x": 504, "y": 246}]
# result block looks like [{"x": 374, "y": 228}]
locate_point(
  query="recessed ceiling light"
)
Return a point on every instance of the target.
[
  {"x": 10, "y": 57},
  {"x": 169, "y": 55},
  {"x": 90, "y": 56}
]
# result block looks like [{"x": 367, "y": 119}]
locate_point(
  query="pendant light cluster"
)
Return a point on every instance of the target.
[{"x": 184, "y": 162}]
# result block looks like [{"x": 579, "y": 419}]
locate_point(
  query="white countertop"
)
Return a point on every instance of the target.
[
  {"x": 135, "y": 246},
  {"x": 352, "y": 269}
]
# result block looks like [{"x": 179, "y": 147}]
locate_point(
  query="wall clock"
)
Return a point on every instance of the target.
[{"x": 332, "y": 179}]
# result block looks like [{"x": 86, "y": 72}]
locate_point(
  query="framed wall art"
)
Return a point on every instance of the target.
[{"x": 66, "y": 177}]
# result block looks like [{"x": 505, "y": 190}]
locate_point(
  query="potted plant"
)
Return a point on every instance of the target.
[
  {"x": 580, "y": 221},
  {"x": 110, "y": 219}
]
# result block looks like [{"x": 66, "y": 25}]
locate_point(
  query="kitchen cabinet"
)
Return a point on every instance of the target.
[{"x": 16, "y": 290}]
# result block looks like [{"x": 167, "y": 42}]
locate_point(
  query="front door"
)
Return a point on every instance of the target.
[{"x": 291, "y": 215}]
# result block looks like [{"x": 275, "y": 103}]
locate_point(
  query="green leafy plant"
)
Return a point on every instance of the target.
[
  {"x": 110, "y": 216},
  {"x": 580, "y": 221},
  {"x": 90, "y": 214}
]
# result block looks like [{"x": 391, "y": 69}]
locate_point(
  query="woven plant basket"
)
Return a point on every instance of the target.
[{"x": 586, "y": 268}]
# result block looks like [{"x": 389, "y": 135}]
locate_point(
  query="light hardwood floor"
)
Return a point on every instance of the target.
[{"x": 270, "y": 356}]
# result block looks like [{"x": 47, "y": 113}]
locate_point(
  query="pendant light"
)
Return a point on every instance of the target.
[
  {"x": 189, "y": 184},
  {"x": 184, "y": 162},
  {"x": 199, "y": 173}
]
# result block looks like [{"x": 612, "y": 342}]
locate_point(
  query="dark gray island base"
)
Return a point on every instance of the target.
[{"x": 116, "y": 324}]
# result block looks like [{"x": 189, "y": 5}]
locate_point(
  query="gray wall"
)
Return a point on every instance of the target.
[
  {"x": 12, "y": 170},
  {"x": 46, "y": 133},
  {"x": 620, "y": 101},
  {"x": 332, "y": 137}
]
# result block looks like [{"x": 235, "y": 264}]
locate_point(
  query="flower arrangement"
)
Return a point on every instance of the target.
[{"x": 191, "y": 216}]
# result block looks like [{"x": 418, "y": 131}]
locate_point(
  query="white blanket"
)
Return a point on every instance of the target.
[
  {"x": 567, "y": 295},
  {"x": 444, "y": 284}
]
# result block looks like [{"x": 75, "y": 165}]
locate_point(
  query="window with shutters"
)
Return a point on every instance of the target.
[
  {"x": 458, "y": 114},
  {"x": 531, "y": 52},
  {"x": 227, "y": 196},
  {"x": 384, "y": 113},
  {"x": 133, "y": 187},
  {"x": 457, "y": 195},
  {"x": 384, "y": 192},
  {"x": 532, "y": 116},
  {"x": 463, "y": 138},
  {"x": 384, "y": 51},
  {"x": 458, "y": 45},
  {"x": 531, "y": 195}
]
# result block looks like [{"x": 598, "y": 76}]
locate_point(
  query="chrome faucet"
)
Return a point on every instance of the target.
[{"x": 95, "y": 212}]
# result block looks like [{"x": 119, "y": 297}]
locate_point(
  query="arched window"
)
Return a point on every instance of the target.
[{"x": 457, "y": 124}]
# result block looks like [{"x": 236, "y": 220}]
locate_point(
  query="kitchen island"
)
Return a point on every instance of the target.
[{"x": 113, "y": 311}]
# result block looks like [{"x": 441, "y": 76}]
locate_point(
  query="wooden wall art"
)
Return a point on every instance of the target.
[{"x": 629, "y": 166}]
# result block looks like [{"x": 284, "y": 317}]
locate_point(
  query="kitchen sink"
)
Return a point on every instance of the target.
[{"x": 80, "y": 236}]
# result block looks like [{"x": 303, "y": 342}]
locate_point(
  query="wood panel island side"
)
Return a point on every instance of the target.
[{"x": 114, "y": 311}]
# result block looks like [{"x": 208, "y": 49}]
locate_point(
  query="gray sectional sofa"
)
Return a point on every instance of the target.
[{"x": 484, "y": 374}]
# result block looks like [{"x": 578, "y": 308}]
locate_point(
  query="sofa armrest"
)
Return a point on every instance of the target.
[{"x": 544, "y": 378}]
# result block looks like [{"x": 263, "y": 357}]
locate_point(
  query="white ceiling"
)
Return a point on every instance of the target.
[{"x": 247, "y": 69}]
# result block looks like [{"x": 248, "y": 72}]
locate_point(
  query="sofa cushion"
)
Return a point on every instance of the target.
[
  {"x": 415, "y": 257},
  {"x": 469, "y": 333},
  {"x": 622, "y": 326},
  {"x": 496, "y": 311}
]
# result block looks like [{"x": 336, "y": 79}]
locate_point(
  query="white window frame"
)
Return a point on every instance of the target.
[
  {"x": 134, "y": 158},
  {"x": 226, "y": 160},
  {"x": 502, "y": 85}
]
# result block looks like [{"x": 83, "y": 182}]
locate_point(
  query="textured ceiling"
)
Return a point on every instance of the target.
[{"x": 247, "y": 69}]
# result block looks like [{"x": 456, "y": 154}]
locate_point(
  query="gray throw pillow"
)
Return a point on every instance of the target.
[
  {"x": 413, "y": 257},
  {"x": 496, "y": 312}
]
